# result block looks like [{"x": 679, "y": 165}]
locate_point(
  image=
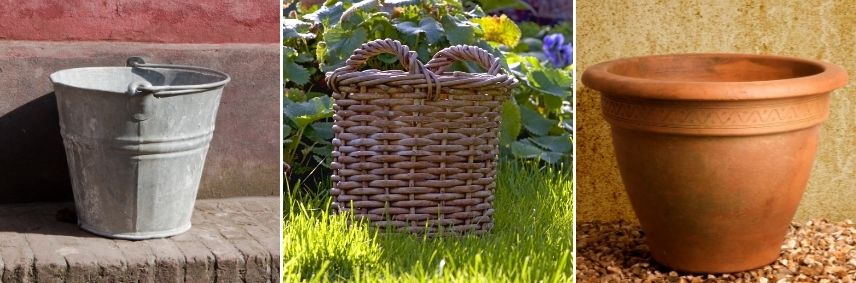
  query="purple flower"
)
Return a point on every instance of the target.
[
  {"x": 553, "y": 41},
  {"x": 558, "y": 53}
]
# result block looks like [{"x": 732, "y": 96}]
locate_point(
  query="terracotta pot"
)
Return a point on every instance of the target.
[{"x": 715, "y": 150}]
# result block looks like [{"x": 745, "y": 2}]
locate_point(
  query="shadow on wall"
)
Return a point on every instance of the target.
[{"x": 32, "y": 157}]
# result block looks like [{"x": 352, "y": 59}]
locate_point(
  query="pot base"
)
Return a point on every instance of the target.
[
  {"x": 704, "y": 266},
  {"x": 715, "y": 204}
]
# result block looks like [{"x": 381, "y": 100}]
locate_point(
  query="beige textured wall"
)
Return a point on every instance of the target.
[{"x": 612, "y": 29}]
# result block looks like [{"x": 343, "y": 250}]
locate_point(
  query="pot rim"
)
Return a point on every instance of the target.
[{"x": 600, "y": 77}]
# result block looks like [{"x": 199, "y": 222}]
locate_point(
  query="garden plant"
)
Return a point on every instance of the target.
[{"x": 533, "y": 236}]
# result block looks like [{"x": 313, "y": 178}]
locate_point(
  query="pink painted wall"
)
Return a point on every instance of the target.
[{"x": 174, "y": 21}]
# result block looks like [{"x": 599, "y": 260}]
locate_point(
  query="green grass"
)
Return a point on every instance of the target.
[{"x": 532, "y": 239}]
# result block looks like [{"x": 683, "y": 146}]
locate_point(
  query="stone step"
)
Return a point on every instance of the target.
[{"x": 232, "y": 240}]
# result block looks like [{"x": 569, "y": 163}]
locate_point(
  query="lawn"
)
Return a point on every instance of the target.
[{"x": 532, "y": 239}]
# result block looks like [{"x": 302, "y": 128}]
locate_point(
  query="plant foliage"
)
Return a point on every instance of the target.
[{"x": 537, "y": 119}]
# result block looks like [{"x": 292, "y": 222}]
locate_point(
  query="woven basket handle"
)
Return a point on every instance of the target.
[
  {"x": 407, "y": 58},
  {"x": 449, "y": 55}
]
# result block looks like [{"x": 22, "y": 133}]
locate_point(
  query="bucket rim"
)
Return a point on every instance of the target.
[{"x": 221, "y": 81}]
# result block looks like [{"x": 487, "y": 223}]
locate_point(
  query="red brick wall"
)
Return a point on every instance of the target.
[{"x": 188, "y": 21}]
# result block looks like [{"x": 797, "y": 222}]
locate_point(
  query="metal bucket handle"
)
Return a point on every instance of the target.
[
  {"x": 143, "y": 95},
  {"x": 171, "y": 90}
]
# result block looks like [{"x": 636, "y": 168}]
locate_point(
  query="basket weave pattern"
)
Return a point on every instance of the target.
[{"x": 416, "y": 150}]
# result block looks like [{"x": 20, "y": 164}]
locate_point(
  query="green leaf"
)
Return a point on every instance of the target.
[
  {"x": 388, "y": 59},
  {"x": 459, "y": 30},
  {"x": 305, "y": 113},
  {"x": 553, "y": 104},
  {"x": 340, "y": 44},
  {"x": 495, "y": 5},
  {"x": 294, "y": 73},
  {"x": 400, "y": 3},
  {"x": 476, "y": 12},
  {"x": 534, "y": 122},
  {"x": 299, "y": 169},
  {"x": 322, "y": 155},
  {"x": 532, "y": 44},
  {"x": 511, "y": 124},
  {"x": 313, "y": 94},
  {"x": 516, "y": 63},
  {"x": 533, "y": 62},
  {"x": 551, "y": 81},
  {"x": 565, "y": 28},
  {"x": 291, "y": 71},
  {"x": 525, "y": 149},
  {"x": 530, "y": 29},
  {"x": 320, "y": 132},
  {"x": 327, "y": 14},
  {"x": 567, "y": 125},
  {"x": 529, "y": 150},
  {"x": 289, "y": 52},
  {"x": 408, "y": 13},
  {"x": 560, "y": 144},
  {"x": 429, "y": 26},
  {"x": 356, "y": 9},
  {"x": 304, "y": 58},
  {"x": 295, "y": 28},
  {"x": 499, "y": 30},
  {"x": 379, "y": 26},
  {"x": 422, "y": 50},
  {"x": 324, "y": 150},
  {"x": 551, "y": 157},
  {"x": 286, "y": 131},
  {"x": 293, "y": 95}
]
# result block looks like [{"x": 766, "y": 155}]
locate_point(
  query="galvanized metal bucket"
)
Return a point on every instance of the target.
[{"x": 135, "y": 139}]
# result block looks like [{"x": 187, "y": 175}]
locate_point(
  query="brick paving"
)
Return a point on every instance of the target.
[{"x": 232, "y": 240}]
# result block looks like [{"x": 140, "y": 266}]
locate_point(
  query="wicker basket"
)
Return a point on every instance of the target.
[{"x": 416, "y": 150}]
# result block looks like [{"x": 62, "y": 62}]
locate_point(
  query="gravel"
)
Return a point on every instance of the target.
[{"x": 817, "y": 251}]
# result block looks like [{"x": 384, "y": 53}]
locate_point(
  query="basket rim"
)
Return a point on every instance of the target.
[{"x": 447, "y": 79}]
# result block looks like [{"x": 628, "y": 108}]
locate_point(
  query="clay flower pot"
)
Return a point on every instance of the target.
[{"x": 715, "y": 150}]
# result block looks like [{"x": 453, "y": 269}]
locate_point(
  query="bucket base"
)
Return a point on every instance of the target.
[{"x": 136, "y": 235}]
